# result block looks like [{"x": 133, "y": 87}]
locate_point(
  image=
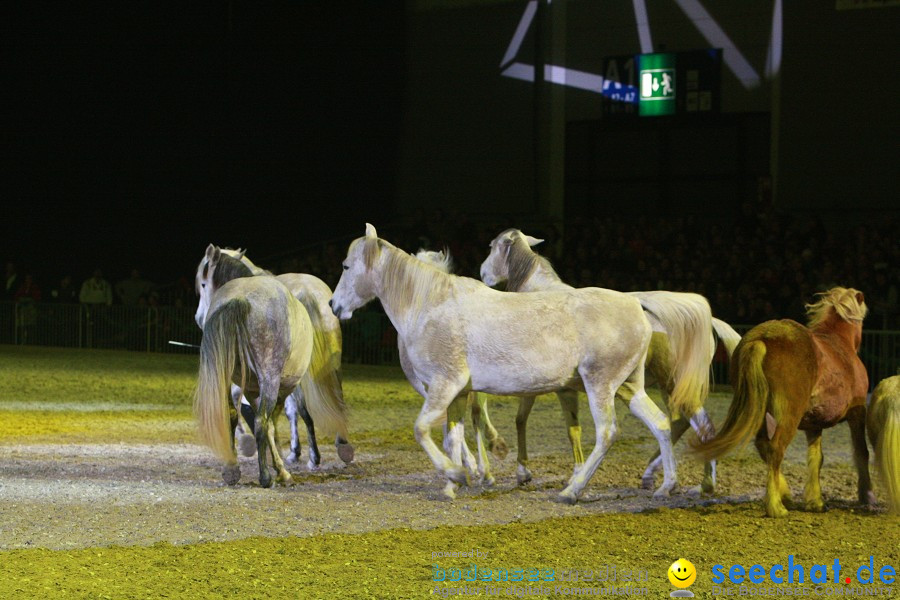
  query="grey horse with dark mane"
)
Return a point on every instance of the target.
[{"x": 258, "y": 336}]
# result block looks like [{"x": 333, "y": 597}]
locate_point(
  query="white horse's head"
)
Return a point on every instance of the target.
[
  {"x": 440, "y": 259},
  {"x": 495, "y": 267},
  {"x": 357, "y": 285},
  {"x": 210, "y": 276}
]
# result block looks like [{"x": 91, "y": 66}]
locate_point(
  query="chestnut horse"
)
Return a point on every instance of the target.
[{"x": 789, "y": 377}]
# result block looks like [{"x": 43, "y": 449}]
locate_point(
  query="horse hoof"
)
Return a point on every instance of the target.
[
  {"x": 292, "y": 458},
  {"x": 247, "y": 445},
  {"x": 231, "y": 474},
  {"x": 816, "y": 506},
  {"x": 708, "y": 487},
  {"x": 285, "y": 479},
  {"x": 265, "y": 482},
  {"x": 567, "y": 496},
  {"x": 647, "y": 483},
  {"x": 499, "y": 448},
  {"x": 346, "y": 452},
  {"x": 776, "y": 512},
  {"x": 694, "y": 492},
  {"x": 488, "y": 481},
  {"x": 449, "y": 491},
  {"x": 868, "y": 499},
  {"x": 523, "y": 475},
  {"x": 664, "y": 491},
  {"x": 458, "y": 475},
  {"x": 312, "y": 466}
]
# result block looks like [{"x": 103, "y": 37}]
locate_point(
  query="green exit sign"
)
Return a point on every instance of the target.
[{"x": 656, "y": 77}]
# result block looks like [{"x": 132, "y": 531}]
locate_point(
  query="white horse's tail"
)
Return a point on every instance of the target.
[
  {"x": 322, "y": 382},
  {"x": 727, "y": 335},
  {"x": 884, "y": 433},
  {"x": 225, "y": 343},
  {"x": 687, "y": 320}
]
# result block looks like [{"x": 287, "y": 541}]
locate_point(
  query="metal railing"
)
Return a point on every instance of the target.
[
  {"x": 369, "y": 338},
  {"x": 146, "y": 329}
]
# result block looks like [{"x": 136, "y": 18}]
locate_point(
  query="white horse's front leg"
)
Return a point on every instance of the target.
[
  {"x": 481, "y": 422},
  {"x": 440, "y": 395},
  {"x": 455, "y": 444}
]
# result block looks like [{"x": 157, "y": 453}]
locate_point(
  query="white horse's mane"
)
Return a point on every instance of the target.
[
  {"x": 240, "y": 254},
  {"x": 407, "y": 283},
  {"x": 440, "y": 259},
  {"x": 522, "y": 262}
]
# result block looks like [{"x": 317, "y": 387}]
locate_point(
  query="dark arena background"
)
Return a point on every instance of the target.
[{"x": 743, "y": 151}]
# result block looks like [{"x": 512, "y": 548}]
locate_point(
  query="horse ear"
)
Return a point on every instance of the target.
[
  {"x": 211, "y": 252},
  {"x": 370, "y": 231},
  {"x": 240, "y": 253},
  {"x": 531, "y": 240},
  {"x": 860, "y": 298}
]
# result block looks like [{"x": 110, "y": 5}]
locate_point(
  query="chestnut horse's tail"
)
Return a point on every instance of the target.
[
  {"x": 748, "y": 408},
  {"x": 884, "y": 433}
]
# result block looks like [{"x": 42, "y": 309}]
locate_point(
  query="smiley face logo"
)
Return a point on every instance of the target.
[{"x": 682, "y": 573}]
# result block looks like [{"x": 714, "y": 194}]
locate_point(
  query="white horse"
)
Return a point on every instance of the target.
[
  {"x": 257, "y": 335},
  {"x": 681, "y": 348},
  {"x": 314, "y": 294},
  {"x": 461, "y": 334},
  {"x": 486, "y": 435}
]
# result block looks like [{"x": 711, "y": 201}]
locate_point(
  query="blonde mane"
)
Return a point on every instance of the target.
[
  {"x": 440, "y": 259},
  {"x": 846, "y": 302},
  {"x": 406, "y": 282},
  {"x": 521, "y": 263}
]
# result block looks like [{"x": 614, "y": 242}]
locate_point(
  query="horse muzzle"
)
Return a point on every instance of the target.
[{"x": 338, "y": 310}]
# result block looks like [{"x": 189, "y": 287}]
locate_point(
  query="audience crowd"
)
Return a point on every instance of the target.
[
  {"x": 760, "y": 266},
  {"x": 763, "y": 265}
]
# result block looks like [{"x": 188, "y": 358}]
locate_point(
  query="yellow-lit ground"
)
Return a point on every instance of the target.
[{"x": 104, "y": 492}]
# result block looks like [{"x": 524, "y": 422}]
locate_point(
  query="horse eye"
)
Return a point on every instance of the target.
[
  {"x": 203, "y": 285},
  {"x": 345, "y": 267}
]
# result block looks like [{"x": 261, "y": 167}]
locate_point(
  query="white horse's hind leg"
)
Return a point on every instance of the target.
[
  {"x": 291, "y": 411},
  {"x": 705, "y": 429},
  {"x": 440, "y": 395},
  {"x": 523, "y": 475},
  {"x": 245, "y": 442},
  {"x": 678, "y": 427},
  {"x": 283, "y": 475},
  {"x": 644, "y": 409},
  {"x": 602, "y": 402}
]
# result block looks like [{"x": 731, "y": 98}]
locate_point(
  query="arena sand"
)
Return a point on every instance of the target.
[{"x": 105, "y": 493}]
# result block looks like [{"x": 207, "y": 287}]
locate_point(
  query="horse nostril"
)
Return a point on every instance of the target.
[{"x": 330, "y": 305}]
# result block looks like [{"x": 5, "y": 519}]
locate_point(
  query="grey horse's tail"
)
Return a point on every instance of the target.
[
  {"x": 322, "y": 382},
  {"x": 225, "y": 344}
]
